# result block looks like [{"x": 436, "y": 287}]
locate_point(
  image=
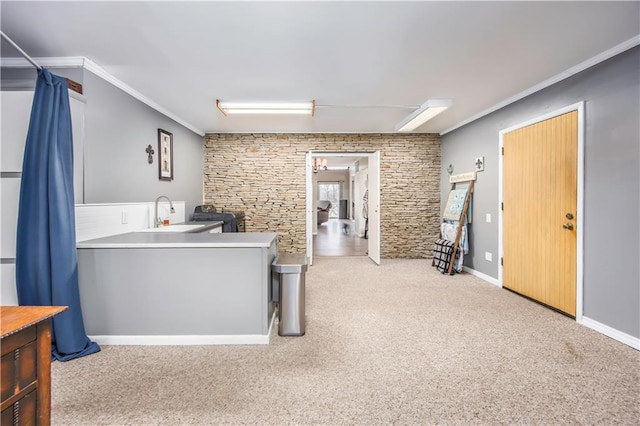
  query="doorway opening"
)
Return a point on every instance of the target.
[{"x": 343, "y": 193}]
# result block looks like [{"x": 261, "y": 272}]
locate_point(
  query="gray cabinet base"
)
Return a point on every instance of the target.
[{"x": 181, "y": 292}]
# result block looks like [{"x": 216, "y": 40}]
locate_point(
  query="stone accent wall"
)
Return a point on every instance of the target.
[{"x": 263, "y": 175}]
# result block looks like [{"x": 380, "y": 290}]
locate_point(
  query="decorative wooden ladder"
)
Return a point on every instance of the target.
[{"x": 463, "y": 218}]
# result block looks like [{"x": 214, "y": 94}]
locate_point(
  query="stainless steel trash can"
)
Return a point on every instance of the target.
[{"x": 291, "y": 269}]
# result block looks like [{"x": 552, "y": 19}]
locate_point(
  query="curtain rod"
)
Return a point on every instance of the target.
[{"x": 22, "y": 52}]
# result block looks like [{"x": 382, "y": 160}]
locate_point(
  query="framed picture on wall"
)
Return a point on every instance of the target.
[{"x": 165, "y": 149}]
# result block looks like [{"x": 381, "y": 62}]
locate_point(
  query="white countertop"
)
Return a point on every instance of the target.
[{"x": 181, "y": 240}]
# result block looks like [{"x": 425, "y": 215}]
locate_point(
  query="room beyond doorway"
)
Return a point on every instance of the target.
[
  {"x": 356, "y": 229},
  {"x": 337, "y": 237}
]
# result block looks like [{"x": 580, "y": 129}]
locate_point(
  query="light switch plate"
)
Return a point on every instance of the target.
[
  {"x": 488, "y": 217},
  {"x": 479, "y": 163},
  {"x": 488, "y": 256}
]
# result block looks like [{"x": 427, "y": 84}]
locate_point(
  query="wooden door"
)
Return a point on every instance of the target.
[{"x": 539, "y": 217}]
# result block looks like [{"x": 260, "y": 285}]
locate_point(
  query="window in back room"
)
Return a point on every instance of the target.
[{"x": 330, "y": 191}]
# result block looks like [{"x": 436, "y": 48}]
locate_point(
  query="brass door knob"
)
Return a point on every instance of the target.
[
  {"x": 569, "y": 216},
  {"x": 568, "y": 226}
]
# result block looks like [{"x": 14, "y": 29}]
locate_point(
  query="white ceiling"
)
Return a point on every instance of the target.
[{"x": 366, "y": 64}]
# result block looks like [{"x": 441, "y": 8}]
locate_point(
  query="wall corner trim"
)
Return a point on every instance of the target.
[
  {"x": 601, "y": 57},
  {"x": 618, "y": 335},
  {"x": 482, "y": 276},
  {"x": 89, "y": 65}
]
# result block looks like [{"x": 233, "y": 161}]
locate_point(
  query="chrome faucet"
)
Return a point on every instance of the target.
[{"x": 157, "y": 221}]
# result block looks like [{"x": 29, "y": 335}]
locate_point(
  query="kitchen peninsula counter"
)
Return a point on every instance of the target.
[
  {"x": 177, "y": 288},
  {"x": 181, "y": 240}
]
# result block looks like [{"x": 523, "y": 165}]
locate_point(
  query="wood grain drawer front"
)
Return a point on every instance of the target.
[
  {"x": 22, "y": 412},
  {"x": 19, "y": 339},
  {"x": 18, "y": 370},
  {"x": 25, "y": 347}
]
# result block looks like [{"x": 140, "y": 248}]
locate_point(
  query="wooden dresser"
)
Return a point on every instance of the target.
[{"x": 26, "y": 364}]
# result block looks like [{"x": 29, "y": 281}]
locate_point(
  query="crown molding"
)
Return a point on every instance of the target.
[
  {"x": 89, "y": 65},
  {"x": 96, "y": 69},
  {"x": 615, "y": 50},
  {"x": 53, "y": 62}
]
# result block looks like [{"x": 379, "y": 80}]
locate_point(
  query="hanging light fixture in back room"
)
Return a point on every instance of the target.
[{"x": 318, "y": 164}]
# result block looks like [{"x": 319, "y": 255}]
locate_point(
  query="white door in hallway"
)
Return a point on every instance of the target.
[
  {"x": 310, "y": 219},
  {"x": 374, "y": 206}
]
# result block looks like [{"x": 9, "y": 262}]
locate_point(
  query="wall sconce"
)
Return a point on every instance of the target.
[
  {"x": 318, "y": 164},
  {"x": 450, "y": 169}
]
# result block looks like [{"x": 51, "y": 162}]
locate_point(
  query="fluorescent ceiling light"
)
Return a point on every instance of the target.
[
  {"x": 426, "y": 112},
  {"x": 303, "y": 108}
]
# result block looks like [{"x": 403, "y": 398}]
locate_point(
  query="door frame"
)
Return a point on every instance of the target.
[
  {"x": 309, "y": 193},
  {"x": 579, "y": 107}
]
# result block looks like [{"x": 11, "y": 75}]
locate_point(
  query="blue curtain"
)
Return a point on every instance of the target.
[{"x": 46, "y": 259}]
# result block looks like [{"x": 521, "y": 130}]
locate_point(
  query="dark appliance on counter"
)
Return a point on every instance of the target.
[{"x": 233, "y": 221}]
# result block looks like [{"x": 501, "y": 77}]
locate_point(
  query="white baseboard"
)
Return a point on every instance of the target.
[
  {"x": 482, "y": 276},
  {"x": 249, "y": 339},
  {"x": 186, "y": 340},
  {"x": 618, "y": 335}
]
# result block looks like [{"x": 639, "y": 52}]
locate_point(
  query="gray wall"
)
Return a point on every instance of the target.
[
  {"x": 611, "y": 91},
  {"x": 118, "y": 130}
]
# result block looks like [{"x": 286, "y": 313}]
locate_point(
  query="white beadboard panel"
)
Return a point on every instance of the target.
[
  {"x": 9, "y": 216},
  {"x": 16, "y": 113},
  {"x": 96, "y": 221},
  {"x": 102, "y": 220},
  {"x": 8, "y": 295},
  {"x": 77, "y": 130},
  {"x": 16, "y": 110}
]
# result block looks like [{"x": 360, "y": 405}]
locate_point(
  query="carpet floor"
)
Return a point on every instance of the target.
[{"x": 398, "y": 343}]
